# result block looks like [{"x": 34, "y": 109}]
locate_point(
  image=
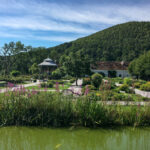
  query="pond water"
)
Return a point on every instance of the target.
[{"x": 23, "y": 138}]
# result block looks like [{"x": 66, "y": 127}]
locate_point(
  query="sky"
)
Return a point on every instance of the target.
[{"x": 48, "y": 23}]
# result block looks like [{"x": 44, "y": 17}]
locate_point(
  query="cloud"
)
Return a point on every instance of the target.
[
  {"x": 38, "y": 23},
  {"x": 84, "y": 19},
  {"x": 26, "y": 35}
]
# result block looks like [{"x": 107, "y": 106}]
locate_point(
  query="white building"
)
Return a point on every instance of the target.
[{"x": 111, "y": 69}]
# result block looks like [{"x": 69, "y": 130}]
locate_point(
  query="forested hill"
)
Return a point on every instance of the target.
[{"x": 121, "y": 42}]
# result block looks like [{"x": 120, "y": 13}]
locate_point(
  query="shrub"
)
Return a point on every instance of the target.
[
  {"x": 128, "y": 81},
  {"x": 47, "y": 85},
  {"x": 137, "y": 85},
  {"x": 145, "y": 87},
  {"x": 15, "y": 73},
  {"x": 86, "y": 81},
  {"x": 124, "y": 87},
  {"x": 122, "y": 97},
  {"x": 96, "y": 80},
  {"x": 72, "y": 80}
]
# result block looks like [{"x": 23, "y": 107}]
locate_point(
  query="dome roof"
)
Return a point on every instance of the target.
[{"x": 48, "y": 62}]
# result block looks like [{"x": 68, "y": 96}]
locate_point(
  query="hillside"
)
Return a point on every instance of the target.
[{"x": 121, "y": 42}]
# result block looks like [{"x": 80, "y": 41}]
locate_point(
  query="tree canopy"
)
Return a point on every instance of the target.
[{"x": 140, "y": 67}]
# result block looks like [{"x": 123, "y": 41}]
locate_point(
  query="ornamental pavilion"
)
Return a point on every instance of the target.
[{"x": 47, "y": 66}]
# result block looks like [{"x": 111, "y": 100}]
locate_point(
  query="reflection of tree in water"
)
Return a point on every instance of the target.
[{"x": 20, "y": 138}]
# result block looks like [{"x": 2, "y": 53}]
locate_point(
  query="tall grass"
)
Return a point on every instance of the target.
[{"x": 25, "y": 108}]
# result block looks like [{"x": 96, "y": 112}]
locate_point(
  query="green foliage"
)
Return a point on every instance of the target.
[
  {"x": 124, "y": 87},
  {"x": 96, "y": 80},
  {"x": 58, "y": 73},
  {"x": 56, "y": 110},
  {"x": 15, "y": 73},
  {"x": 76, "y": 65},
  {"x": 57, "y": 81},
  {"x": 72, "y": 80},
  {"x": 140, "y": 67},
  {"x": 47, "y": 85},
  {"x": 34, "y": 69},
  {"x": 128, "y": 81},
  {"x": 121, "y": 42},
  {"x": 86, "y": 81},
  {"x": 137, "y": 85},
  {"x": 145, "y": 87}
]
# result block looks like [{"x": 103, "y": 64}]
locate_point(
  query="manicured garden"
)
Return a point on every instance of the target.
[{"x": 107, "y": 90}]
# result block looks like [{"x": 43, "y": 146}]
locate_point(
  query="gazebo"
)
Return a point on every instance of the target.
[{"x": 47, "y": 66}]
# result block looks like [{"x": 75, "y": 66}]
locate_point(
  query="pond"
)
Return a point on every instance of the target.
[{"x": 24, "y": 138}]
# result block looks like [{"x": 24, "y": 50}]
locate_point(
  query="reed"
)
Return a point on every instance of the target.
[{"x": 32, "y": 108}]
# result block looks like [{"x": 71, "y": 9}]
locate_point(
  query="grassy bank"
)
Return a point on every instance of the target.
[{"x": 56, "y": 110}]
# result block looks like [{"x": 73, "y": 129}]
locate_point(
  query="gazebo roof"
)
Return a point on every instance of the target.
[{"x": 47, "y": 62}]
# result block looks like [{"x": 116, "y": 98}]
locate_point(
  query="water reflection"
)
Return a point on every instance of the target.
[{"x": 22, "y": 138}]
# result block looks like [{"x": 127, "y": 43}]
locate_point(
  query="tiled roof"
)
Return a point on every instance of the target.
[{"x": 113, "y": 65}]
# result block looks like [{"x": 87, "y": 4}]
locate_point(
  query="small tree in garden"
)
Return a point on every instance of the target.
[
  {"x": 140, "y": 67},
  {"x": 76, "y": 65},
  {"x": 34, "y": 68},
  {"x": 96, "y": 80}
]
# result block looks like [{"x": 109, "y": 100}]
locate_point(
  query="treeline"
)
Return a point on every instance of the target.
[
  {"x": 121, "y": 42},
  {"x": 17, "y": 56}
]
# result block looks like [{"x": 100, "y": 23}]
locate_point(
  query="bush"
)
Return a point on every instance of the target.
[
  {"x": 86, "y": 81},
  {"x": 128, "y": 81},
  {"x": 124, "y": 87},
  {"x": 72, "y": 80},
  {"x": 47, "y": 85},
  {"x": 122, "y": 97},
  {"x": 15, "y": 73},
  {"x": 137, "y": 85},
  {"x": 145, "y": 87},
  {"x": 96, "y": 80}
]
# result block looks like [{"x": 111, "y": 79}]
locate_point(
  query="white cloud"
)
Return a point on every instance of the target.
[
  {"x": 80, "y": 19},
  {"x": 39, "y": 23},
  {"x": 27, "y": 36}
]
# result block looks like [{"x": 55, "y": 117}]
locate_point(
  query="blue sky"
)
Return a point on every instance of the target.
[{"x": 52, "y": 22}]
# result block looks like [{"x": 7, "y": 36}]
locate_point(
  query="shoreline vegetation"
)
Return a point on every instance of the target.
[{"x": 47, "y": 109}]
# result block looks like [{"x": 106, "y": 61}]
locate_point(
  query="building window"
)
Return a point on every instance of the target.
[{"x": 120, "y": 75}]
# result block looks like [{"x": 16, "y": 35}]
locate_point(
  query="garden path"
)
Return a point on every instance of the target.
[{"x": 14, "y": 88}]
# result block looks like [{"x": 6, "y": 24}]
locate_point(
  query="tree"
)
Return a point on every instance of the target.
[
  {"x": 140, "y": 67},
  {"x": 9, "y": 53},
  {"x": 76, "y": 65},
  {"x": 34, "y": 68}
]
